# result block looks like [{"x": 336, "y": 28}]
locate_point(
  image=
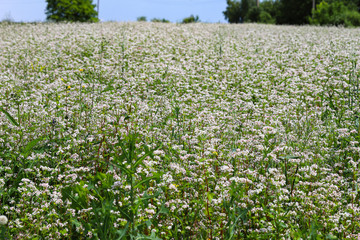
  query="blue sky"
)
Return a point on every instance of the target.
[{"x": 123, "y": 10}]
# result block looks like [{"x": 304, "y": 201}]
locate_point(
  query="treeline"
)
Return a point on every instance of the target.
[
  {"x": 294, "y": 12},
  {"x": 191, "y": 19}
]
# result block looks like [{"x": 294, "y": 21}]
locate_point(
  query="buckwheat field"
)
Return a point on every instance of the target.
[{"x": 172, "y": 131}]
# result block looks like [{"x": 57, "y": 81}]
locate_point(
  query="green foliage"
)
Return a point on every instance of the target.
[
  {"x": 352, "y": 18},
  {"x": 236, "y": 216},
  {"x": 237, "y": 11},
  {"x": 71, "y": 11},
  {"x": 113, "y": 186},
  {"x": 141, "y": 19},
  {"x": 327, "y": 12},
  {"x": 272, "y": 7},
  {"x": 295, "y": 12},
  {"x": 335, "y": 13},
  {"x": 9, "y": 117},
  {"x": 257, "y": 14},
  {"x": 265, "y": 17},
  {"x": 245, "y": 6},
  {"x": 233, "y": 12},
  {"x": 160, "y": 20},
  {"x": 353, "y": 4},
  {"x": 100, "y": 221},
  {"x": 98, "y": 194},
  {"x": 247, "y": 11},
  {"x": 191, "y": 19},
  {"x": 4, "y": 233},
  {"x": 254, "y": 14}
]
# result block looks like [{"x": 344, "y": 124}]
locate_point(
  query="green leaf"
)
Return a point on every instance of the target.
[
  {"x": 124, "y": 212},
  {"x": 164, "y": 210},
  {"x": 76, "y": 202},
  {"x": 139, "y": 161},
  {"x": 210, "y": 196},
  {"x": 331, "y": 237},
  {"x": 123, "y": 232},
  {"x": 145, "y": 180},
  {"x": 9, "y": 117},
  {"x": 124, "y": 148},
  {"x": 127, "y": 171},
  {"x": 153, "y": 237},
  {"x": 30, "y": 146},
  {"x": 108, "y": 88},
  {"x": 283, "y": 225},
  {"x": 148, "y": 223},
  {"x": 76, "y": 222}
]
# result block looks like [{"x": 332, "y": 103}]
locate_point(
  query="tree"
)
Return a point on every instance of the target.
[
  {"x": 295, "y": 11},
  {"x": 272, "y": 7},
  {"x": 160, "y": 20},
  {"x": 351, "y": 4},
  {"x": 191, "y": 19},
  {"x": 260, "y": 15},
  {"x": 142, "y": 19},
  {"x": 254, "y": 14},
  {"x": 245, "y": 6},
  {"x": 71, "y": 10},
  {"x": 330, "y": 12},
  {"x": 266, "y": 17},
  {"x": 237, "y": 11},
  {"x": 335, "y": 13},
  {"x": 300, "y": 12},
  {"x": 233, "y": 11}
]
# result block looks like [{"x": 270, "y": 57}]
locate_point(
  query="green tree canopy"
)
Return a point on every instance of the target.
[
  {"x": 160, "y": 20},
  {"x": 191, "y": 19},
  {"x": 141, "y": 19},
  {"x": 296, "y": 12},
  {"x": 272, "y": 7},
  {"x": 354, "y": 4},
  {"x": 300, "y": 12},
  {"x": 71, "y": 10},
  {"x": 237, "y": 11},
  {"x": 335, "y": 13}
]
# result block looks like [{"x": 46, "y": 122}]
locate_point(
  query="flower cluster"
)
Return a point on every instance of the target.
[{"x": 179, "y": 131}]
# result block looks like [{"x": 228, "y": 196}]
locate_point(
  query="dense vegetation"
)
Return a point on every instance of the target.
[
  {"x": 319, "y": 12},
  {"x": 191, "y": 19},
  {"x": 71, "y": 11},
  {"x": 282, "y": 12},
  {"x": 179, "y": 131}
]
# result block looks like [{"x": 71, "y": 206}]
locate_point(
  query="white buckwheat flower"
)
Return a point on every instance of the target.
[{"x": 3, "y": 220}]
